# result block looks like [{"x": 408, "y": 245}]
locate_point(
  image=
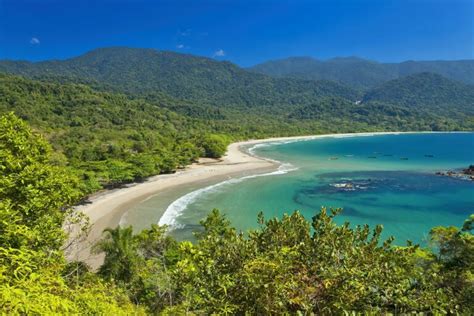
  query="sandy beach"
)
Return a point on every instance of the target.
[{"x": 106, "y": 208}]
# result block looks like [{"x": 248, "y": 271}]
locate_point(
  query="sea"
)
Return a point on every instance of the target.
[{"x": 390, "y": 180}]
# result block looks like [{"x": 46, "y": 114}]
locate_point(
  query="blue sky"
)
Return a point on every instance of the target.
[{"x": 244, "y": 32}]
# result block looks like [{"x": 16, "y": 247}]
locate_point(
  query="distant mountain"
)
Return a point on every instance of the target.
[
  {"x": 145, "y": 71},
  {"x": 257, "y": 104},
  {"x": 353, "y": 71},
  {"x": 427, "y": 91},
  {"x": 362, "y": 73}
]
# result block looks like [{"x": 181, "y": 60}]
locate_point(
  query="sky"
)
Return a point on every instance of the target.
[{"x": 245, "y": 32}]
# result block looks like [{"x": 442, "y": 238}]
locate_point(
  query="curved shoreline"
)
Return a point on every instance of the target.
[{"x": 105, "y": 209}]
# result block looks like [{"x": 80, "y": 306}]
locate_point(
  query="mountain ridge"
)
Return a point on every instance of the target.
[
  {"x": 182, "y": 76},
  {"x": 362, "y": 73}
]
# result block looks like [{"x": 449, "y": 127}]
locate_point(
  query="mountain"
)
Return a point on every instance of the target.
[
  {"x": 361, "y": 73},
  {"x": 106, "y": 137},
  {"x": 353, "y": 71},
  {"x": 425, "y": 91},
  {"x": 110, "y": 138},
  {"x": 147, "y": 71}
]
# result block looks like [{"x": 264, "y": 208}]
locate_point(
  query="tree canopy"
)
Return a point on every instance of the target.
[
  {"x": 290, "y": 265},
  {"x": 35, "y": 195}
]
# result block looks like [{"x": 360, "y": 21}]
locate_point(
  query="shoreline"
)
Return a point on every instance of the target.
[{"x": 106, "y": 208}]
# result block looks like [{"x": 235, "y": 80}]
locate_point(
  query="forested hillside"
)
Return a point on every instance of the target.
[
  {"x": 426, "y": 91},
  {"x": 144, "y": 71},
  {"x": 111, "y": 138},
  {"x": 361, "y": 73},
  {"x": 108, "y": 138},
  {"x": 382, "y": 114},
  {"x": 352, "y": 71}
]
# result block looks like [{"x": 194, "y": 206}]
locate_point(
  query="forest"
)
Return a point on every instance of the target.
[
  {"x": 288, "y": 265},
  {"x": 111, "y": 138}
]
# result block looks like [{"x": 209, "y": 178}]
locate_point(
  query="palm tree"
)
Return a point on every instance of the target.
[{"x": 120, "y": 254}]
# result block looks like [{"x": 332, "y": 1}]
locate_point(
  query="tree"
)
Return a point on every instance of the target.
[
  {"x": 214, "y": 146},
  {"x": 120, "y": 254},
  {"x": 454, "y": 260},
  {"x": 35, "y": 195},
  {"x": 292, "y": 266}
]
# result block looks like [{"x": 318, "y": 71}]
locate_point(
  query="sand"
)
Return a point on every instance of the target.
[{"x": 106, "y": 208}]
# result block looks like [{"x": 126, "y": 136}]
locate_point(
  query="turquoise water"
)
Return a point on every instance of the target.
[{"x": 384, "y": 179}]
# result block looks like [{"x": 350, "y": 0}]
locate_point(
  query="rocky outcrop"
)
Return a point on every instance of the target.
[{"x": 467, "y": 173}]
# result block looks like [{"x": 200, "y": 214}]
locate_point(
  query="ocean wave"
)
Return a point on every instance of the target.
[
  {"x": 176, "y": 208},
  {"x": 252, "y": 149},
  {"x": 256, "y": 146}
]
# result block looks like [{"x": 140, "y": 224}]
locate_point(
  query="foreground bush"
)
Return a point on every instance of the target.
[
  {"x": 34, "y": 199},
  {"x": 290, "y": 265}
]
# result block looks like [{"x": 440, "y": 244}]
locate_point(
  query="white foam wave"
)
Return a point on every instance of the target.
[
  {"x": 123, "y": 220},
  {"x": 176, "y": 208},
  {"x": 252, "y": 149}
]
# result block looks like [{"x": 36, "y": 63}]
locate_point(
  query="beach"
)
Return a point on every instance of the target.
[{"x": 105, "y": 209}]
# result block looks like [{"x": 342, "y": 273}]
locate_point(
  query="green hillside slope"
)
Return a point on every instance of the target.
[
  {"x": 426, "y": 91},
  {"x": 143, "y": 71},
  {"x": 361, "y": 73}
]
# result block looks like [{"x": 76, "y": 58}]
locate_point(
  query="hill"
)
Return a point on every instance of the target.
[
  {"x": 107, "y": 138},
  {"x": 361, "y": 73},
  {"x": 145, "y": 71},
  {"x": 425, "y": 91},
  {"x": 353, "y": 71},
  {"x": 111, "y": 138}
]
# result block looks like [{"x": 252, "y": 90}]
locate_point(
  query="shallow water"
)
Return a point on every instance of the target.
[{"x": 383, "y": 179}]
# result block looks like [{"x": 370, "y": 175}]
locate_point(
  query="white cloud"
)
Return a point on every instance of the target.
[
  {"x": 186, "y": 32},
  {"x": 180, "y": 46},
  {"x": 219, "y": 53},
  {"x": 34, "y": 41}
]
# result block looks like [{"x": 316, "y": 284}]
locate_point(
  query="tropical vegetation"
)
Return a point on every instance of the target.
[
  {"x": 110, "y": 138},
  {"x": 117, "y": 115},
  {"x": 362, "y": 73},
  {"x": 288, "y": 265}
]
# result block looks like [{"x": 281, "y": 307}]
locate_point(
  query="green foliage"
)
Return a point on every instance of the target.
[
  {"x": 361, "y": 73},
  {"x": 426, "y": 91},
  {"x": 293, "y": 266},
  {"x": 109, "y": 139},
  {"x": 138, "y": 264},
  {"x": 180, "y": 108},
  {"x": 214, "y": 146},
  {"x": 288, "y": 265},
  {"x": 143, "y": 71},
  {"x": 455, "y": 259},
  {"x": 33, "y": 191},
  {"x": 383, "y": 115},
  {"x": 34, "y": 197},
  {"x": 120, "y": 249}
]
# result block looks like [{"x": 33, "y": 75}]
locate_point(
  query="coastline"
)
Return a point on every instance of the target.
[{"x": 105, "y": 209}]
